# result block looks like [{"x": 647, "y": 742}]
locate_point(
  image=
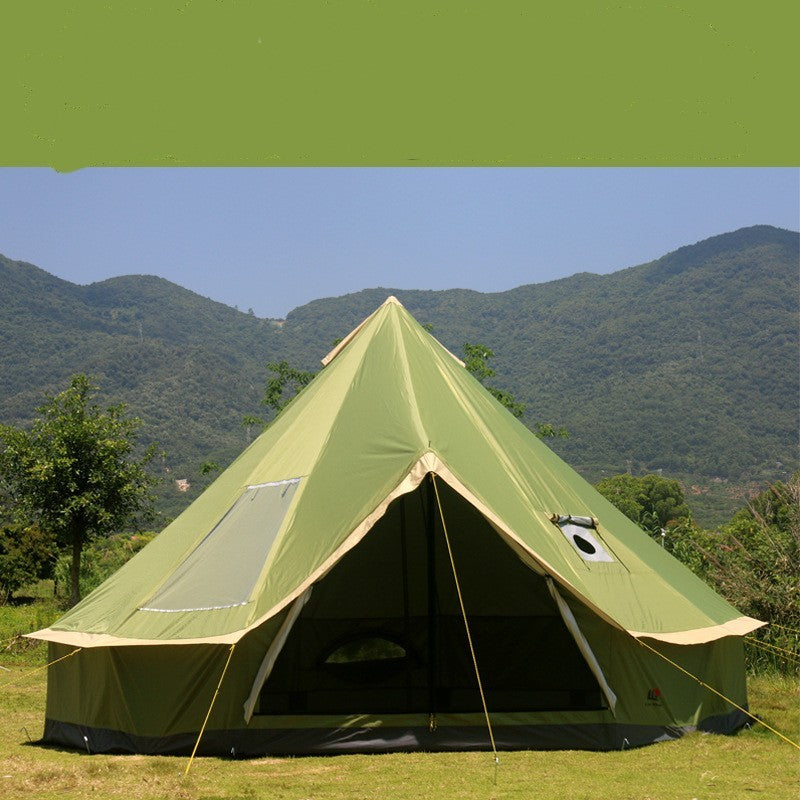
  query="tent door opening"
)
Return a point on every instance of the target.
[{"x": 382, "y": 632}]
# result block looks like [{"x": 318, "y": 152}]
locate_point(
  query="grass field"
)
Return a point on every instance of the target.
[{"x": 754, "y": 763}]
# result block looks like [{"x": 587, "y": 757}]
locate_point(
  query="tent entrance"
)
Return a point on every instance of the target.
[{"x": 382, "y": 632}]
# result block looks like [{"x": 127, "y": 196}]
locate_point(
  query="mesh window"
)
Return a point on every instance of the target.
[
  {"x": 366, "y": 649},
  {"x": 222, "y": 570}
]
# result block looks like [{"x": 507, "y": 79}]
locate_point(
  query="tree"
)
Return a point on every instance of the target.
[
  {"x": 27, "y": 553},
  {"x": 102, "y": 557},
  {"x": 250, "y": 421},
  {"x": 476, "y": 361},
  {"x": 74, "y": 473},
  {"x": 285, "y": 383},
  {"x": 754, "y": 562},
  {"x": 651, "y": 501}
]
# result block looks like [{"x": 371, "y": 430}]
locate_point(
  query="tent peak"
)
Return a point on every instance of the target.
[{"x": 391, "y": 300}]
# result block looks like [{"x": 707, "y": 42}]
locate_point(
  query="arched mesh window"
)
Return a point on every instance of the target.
[{"x": 365, "y": 649}]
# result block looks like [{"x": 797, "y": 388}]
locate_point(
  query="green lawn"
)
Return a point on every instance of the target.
[{"x": 753, "y": 764}]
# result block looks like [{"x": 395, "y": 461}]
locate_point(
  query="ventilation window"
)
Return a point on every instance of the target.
[
  {"x": 584, "y": 545},
  {"x": 581, "y": 533},
  {"x": 221, "y": 572}
]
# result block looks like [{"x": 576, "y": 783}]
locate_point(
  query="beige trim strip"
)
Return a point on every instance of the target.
[
  {"x": 740, "y": 626},
  {"x": 273, "y": 651},
  {"x": 87, "y": 640},
  {"x": 353, "y": 333},
  {"x": 452, "y": 355},
  {"x": 583, "y": 645}
]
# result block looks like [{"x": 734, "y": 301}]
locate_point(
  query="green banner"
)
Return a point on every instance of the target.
[{"x": 399, "y": 83}]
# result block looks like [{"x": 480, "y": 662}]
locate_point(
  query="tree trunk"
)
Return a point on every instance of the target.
[{"x": 76, "y": 534}]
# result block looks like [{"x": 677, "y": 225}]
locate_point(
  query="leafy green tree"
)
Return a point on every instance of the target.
[
  {"x": 102, "y": 557},
  {"x": 283, "y": 385},
  {"x": 623, "y": 492},
  {"x": 476, "y": 361},
  {"x": 286, "y": 381},
  {"x": 754, "y": 562},
  {"x": 544, "y": 430},
  {"x": 75, "y": 473},
  {"x": 27, "y": 553},
  {"x": 651, "y": 501},
  {"x": 250, "y": 421}
]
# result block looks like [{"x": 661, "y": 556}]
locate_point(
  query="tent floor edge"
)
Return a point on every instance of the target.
[{"x": 349, "y": 740}]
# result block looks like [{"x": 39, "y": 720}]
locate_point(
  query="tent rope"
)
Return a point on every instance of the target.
[
  {"x": 773, "y": 649},
  {"x": 783, "y": 627},
  {"x": 208, "y": 714},
  {"x": 719, "y": 694},
  {"x": 38, "y": 669},
  {"x": 466, "y": 627}
]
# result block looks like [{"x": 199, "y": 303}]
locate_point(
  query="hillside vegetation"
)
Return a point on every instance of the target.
[{"x": 688, "y": 364}]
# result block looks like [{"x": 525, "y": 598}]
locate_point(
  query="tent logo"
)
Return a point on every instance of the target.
[{"x": 654, "y": 696}]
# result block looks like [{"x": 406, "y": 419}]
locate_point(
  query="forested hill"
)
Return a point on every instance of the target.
[
  {"x": 190, "y": 367},
  {"x": 687, "y": 364}
]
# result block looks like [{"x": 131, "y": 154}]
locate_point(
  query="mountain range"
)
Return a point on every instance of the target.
[{"x": 686, "y": 365}]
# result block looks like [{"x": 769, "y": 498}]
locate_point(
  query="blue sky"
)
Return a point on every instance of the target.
[{"x": 272, "y": 239}]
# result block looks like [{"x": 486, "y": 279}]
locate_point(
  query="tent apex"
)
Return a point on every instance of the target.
[{"x": 391, "y": 300}]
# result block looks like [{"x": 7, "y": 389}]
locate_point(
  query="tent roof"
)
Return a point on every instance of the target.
[{"x": 390, "y": 406}]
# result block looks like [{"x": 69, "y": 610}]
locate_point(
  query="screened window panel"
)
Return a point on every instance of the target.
[{"x": 222, "y": 570}]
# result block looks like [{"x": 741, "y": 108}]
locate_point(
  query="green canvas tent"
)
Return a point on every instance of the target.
[{"x": 323, "y": 555}]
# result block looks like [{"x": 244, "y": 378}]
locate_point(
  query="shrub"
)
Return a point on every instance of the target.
[{"x": 26, "y": 554}]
